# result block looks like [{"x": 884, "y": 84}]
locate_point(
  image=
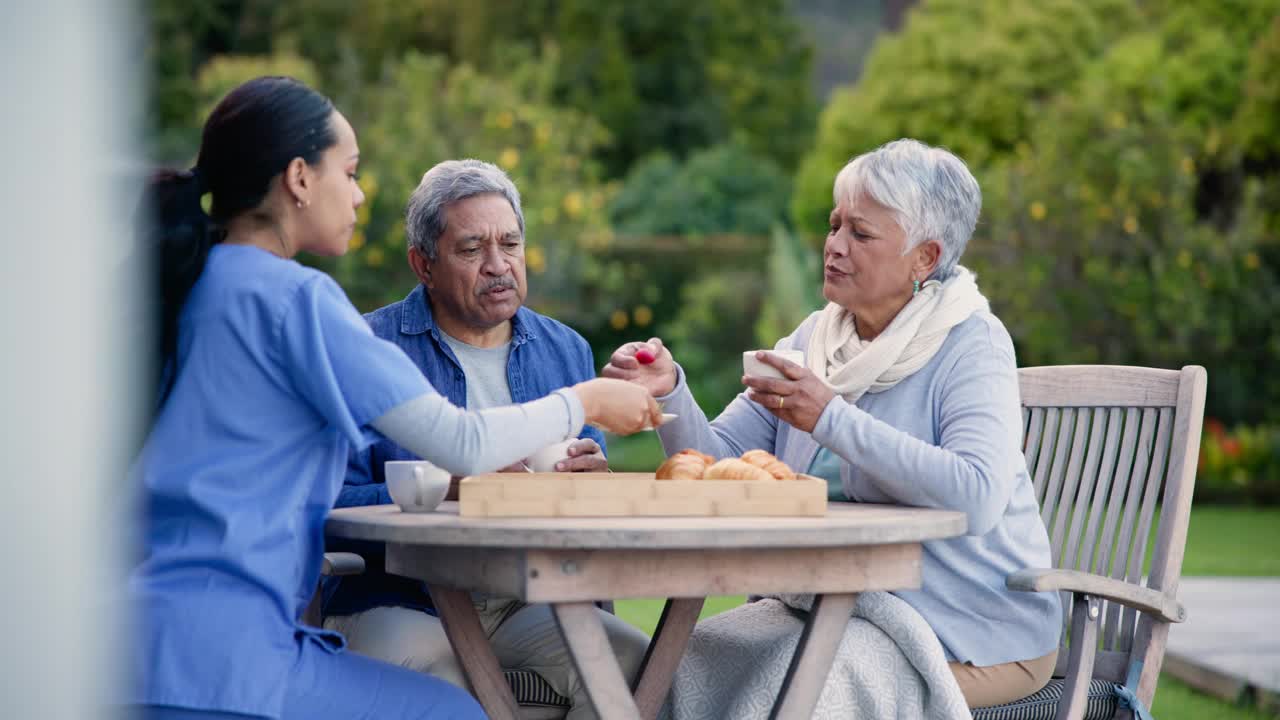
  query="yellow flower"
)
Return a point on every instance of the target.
[
  {"x": 642, "y": 316},
  {"x": 1117, "y": 120},
  {"x": 504, "y": 119},
  {"x": 573, "y": 204},
  {"x": 536, "y": 259},
  {"x": 374, "y": 257},
  {"x": 618, "y": 320},
  {"x": 509, "y": 158},
  {"x": 1184, "y": 258},
  {"x": 1188, "y": 165},
  {"x": 1130, "y": 224},
  {"x": 357, "y": 241},
  {"x": 1038, "y": 210},
  {"x": 1252, "y": 261}
]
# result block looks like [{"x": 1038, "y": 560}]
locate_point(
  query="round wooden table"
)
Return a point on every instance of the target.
[{"x": 571, "y": 562}]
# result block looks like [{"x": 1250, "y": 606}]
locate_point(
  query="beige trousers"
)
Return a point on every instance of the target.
[
  {"x": 524, "y": 637},
  {"x": 999, "y": 684}
]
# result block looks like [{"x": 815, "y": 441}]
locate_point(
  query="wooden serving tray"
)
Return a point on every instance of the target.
[{"x": 635, "y": 495}]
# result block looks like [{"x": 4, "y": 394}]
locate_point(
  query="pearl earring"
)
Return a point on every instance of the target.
[{"x": 299, "y": 203}]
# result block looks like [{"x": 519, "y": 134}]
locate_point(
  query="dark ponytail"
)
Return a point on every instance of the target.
[{"x": 250, "y": 137}]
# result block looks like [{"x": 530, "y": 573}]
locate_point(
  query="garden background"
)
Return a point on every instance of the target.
[{"x": 676, "y": 161}]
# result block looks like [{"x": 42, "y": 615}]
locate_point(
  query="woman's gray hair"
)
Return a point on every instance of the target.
[
  {"x": 931, "y": 191},
  {"x": 445, "y": 184}
]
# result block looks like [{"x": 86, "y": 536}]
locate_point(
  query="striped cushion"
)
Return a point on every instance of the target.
[
  {"x": 530, "y": 689},
  {"x": 1043, "y": 705}
]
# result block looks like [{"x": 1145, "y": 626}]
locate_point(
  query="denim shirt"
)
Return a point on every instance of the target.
[{"x": 546, "y": 355}]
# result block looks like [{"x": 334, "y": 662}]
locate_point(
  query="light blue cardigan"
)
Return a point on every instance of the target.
[{"x": 948, "y": 437}]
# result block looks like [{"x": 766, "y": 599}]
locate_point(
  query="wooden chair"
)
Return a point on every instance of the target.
[{"x": 1112, "y": 453}]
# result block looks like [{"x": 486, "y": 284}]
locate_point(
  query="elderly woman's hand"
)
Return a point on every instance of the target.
[
  {"x": 798, "y": 400},
  {"x": 648, "y": 364}
]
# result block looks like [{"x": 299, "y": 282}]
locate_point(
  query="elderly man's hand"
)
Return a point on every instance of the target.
[
  {"x": 648, "y": 364},
  {"x": 798, "y": 400},
  {"x": 585, "y": 455}
]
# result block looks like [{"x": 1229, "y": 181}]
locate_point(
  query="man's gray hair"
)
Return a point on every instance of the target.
[
  {"x": 931, "y": 191},
  {"x": 445, "y": 184}
]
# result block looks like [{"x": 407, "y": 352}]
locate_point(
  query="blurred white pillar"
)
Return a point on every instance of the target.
[{"x": 69, "y": 72}]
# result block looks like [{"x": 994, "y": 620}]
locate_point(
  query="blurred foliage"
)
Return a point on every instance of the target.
[
  {"x": 1240, "y": 466},
  {"x": 1128, "y": 159},
  {"x": 666, "y": 74},
  {"x": 720, "y": 189},
  {"x": 794, "y": 281}
]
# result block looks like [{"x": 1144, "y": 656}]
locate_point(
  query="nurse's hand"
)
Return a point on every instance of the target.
[
  {"x": 618, "y": 406},
  {"x": 648, "y": 364}
]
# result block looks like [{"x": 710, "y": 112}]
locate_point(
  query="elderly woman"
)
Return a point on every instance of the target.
[{"x": 909, "y": 395}]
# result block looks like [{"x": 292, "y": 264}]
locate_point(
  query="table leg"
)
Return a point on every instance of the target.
[
  {"x": 594, "y": 660},
  {"x": 813, "y": 657},
  {"x": 475, "y": 654},
  {"x": 665, "y": 650}
]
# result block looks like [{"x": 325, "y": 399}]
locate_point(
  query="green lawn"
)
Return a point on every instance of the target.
[{"x": 1220, "y": 541}]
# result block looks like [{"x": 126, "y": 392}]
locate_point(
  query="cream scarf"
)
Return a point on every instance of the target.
[{"x": 853, "y": 367}]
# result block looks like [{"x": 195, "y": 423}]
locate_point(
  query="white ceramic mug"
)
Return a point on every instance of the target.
[
  {"x": 545, "y": 459},
  {"x": 416, "y": 485},
  {"x": 758, "y": 368}
]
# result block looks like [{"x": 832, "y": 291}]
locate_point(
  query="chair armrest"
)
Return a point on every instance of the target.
[
  {"x": 1147, "y": 600},
  {"x": 342, "y": 563}
]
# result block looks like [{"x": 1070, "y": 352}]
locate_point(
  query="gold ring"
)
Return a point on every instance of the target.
[{"x": 780, "y": 401}]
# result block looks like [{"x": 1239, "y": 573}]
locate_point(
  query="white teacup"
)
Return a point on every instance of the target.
[
  {"x": 416, "y": 485},
  {"x": 758, "y": 368},
  {"x": 545, "y": 459}
]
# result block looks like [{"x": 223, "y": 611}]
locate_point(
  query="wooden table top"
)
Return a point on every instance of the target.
[{"x": 845, "y": 524}]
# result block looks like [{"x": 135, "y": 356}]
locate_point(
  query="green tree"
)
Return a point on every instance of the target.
[
  {"x": 668, "y": 74},
  {"x": 1129, "y": 174},
  {"x": 970, "y": 75}
]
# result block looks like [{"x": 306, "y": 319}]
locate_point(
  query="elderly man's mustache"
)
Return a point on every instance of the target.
[{"x": 502, "y": 282}]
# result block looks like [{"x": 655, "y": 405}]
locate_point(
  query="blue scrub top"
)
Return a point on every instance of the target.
[{"x": 278, "y": 378}]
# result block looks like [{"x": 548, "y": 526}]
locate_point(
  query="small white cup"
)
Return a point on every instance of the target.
[
  {"x": 416, "y": 485},
  {"x": 545, "y": 459},
  {"x": 758, "y": 368}
]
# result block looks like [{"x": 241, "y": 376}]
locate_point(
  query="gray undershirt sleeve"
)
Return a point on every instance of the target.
[{"x": 469, "y": 443}]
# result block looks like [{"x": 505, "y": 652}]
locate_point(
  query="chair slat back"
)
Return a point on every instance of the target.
[{"x": 1111, "y": 452}]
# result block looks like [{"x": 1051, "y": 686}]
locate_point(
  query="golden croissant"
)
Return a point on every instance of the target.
[
  {"x": 765, "y": 460},
  {"x": 736, "y": 469},
  {"x": 687, "y": 464}
]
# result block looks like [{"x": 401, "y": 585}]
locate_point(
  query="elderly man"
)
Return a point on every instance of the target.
[{"x": 465, "y": 327}]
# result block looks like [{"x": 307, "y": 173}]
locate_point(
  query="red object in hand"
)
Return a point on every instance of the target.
[{"x": 644, "y": 357}]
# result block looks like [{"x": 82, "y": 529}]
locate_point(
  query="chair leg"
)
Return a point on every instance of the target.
[{"x": 1085, "y": 611}]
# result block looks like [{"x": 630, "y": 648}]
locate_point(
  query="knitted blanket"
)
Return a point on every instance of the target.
[{"x": 889, "y": 664}]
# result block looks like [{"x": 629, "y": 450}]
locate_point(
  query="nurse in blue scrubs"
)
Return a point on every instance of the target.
[{"x": 270, "y": 378}]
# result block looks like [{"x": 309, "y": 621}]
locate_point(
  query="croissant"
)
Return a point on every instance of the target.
[
  {"x": 684, "y": 465},
  {"x": 736, "y": 469},
  {"x": 765, "y": 460}
]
